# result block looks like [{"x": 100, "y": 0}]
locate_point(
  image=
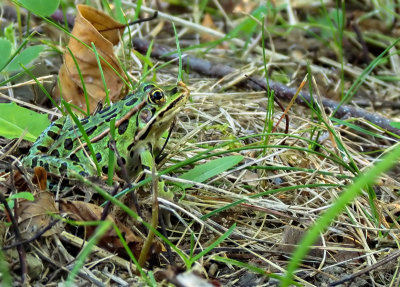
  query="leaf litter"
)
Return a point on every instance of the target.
[{"x": 277, "y": 191}]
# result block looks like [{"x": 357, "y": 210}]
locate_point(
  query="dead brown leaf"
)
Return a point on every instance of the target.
[
  {"x": 91, "y": 26},
  {"x": 35, "y": 215},
  {"x": 89, "y": 212},
  {"x": 40, "y": 178}
]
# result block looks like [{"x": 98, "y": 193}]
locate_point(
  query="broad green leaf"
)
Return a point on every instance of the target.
[
  {"x": 41, "y": 7},
  {"x": 5, "y": 51},
  {"x": 14, "y": 120},
  {"x": 205, "y": 171},
  {"x": 395, "y": 125},
  {"x": 23, "y": 194},
  {"x": 24, "y": 58}
]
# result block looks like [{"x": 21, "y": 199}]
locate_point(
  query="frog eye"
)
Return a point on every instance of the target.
[{"x": 156, "y": 96}]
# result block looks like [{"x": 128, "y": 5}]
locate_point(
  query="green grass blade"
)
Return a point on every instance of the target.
[
  {"x": 212, "y": 245},
  {"x": 27, "y": 71},
  {"x": 250, "y": 267},
  {"x": 106, "y": 90},
  {"x": 357, "y": 83},
  {"x": 85, "y": 93},
  {"x": 366, "y": 179},
  {"x": 212, "y": 168},
  {"x": 134, "y": 215},
  {"x": 80, "y": 261},
  {"x": 84, "y": 135},
  {"x": 111, "y": 154},
  {"x": 6, "y": 278},
  {"x": 178, "y": 48}
]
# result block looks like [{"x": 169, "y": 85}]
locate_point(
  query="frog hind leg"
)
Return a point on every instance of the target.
[
  {"x": 59, "y": 166},
  {"x": 48, "y": 137}
]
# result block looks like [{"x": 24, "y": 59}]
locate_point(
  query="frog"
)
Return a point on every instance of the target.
[{"x": 141, "y": 119}]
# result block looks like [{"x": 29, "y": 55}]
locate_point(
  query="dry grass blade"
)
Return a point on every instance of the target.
[{"x": 245, "y": 191}]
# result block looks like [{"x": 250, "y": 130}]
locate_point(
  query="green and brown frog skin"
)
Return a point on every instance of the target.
[{"x": 140, "y": 120}]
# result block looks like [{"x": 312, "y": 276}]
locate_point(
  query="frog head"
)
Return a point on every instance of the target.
[{"x": 161, "y": 106}]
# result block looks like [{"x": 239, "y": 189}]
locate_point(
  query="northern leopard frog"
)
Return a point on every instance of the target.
[{"x": 140, "y": 120}]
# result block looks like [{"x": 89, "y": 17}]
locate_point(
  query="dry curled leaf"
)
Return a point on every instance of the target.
[
  {"x": 91, "y": 26},
  {"x": 89, "y": 212},
  {"x": 40, "y": 178},
  {"x": 35, "y": 215}
]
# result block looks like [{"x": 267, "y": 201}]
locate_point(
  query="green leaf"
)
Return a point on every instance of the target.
[
  {"x": 5, "y": 51},
  {"x": 395, "y": 125},
  {"x": 14, "y": 120},
  {"x": 41, "y": 7},
  {"x": 24, "y": 194},
  {"x": 24, "y": 58},
  {"x": 9, "y": 33},
  {"x": 205, "y": 171},
  {"x": 119, "y": 12}
]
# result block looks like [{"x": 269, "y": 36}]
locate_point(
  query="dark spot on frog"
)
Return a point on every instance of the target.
[
  {"x": 132, "y": 154},
  {"x": 148, "y": 87},
  {"x": 34, "y": 162},
  {"x": 153, "y": 111},
  {"x": 52, "y": 185},
  {"x": 74, "y": 157},
  {"x": 143, "y": 136},
  {"x": 68, "y": 144},
  {"x": 84, "y": 121},
  {"x": 123, "y": 160},
  {"x": 43, "y": 149},
  {"x": 87, "y": 148},
  {"x": 41, "y": 163},
  {"x": 111, "y": 113},
  {"x": 104, "y": 110},
  {"x": 122, "y": 127},
  {"x": 150, "y": 147},
  {"x": 110, "y": 117},
  {"x": 59, "y": 126},
  {"x": 91, "y": 130},
  {"x": 131, "y": 102},
  {"x": 46, "y": 166},
  {"x": 130, "y": 147},
  {"x": 55, "y": 153},
  {"x": 104, "y": 169},
  {"x": 63, "y": 168},
  {"x": 145, "y": 167},
  {"x": 52, "y": 135},
  {"x": 83, "y": 173},
  {"x": 98, "y": 157}
]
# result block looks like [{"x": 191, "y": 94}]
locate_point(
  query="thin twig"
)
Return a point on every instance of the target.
[
  {"x": 34, "y": 237},
  {"x": 281, "y": 91},
  {"x": 385, "y": 260}
]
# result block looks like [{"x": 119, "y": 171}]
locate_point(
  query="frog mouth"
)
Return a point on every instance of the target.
[{"x": 164, "y": 117}]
